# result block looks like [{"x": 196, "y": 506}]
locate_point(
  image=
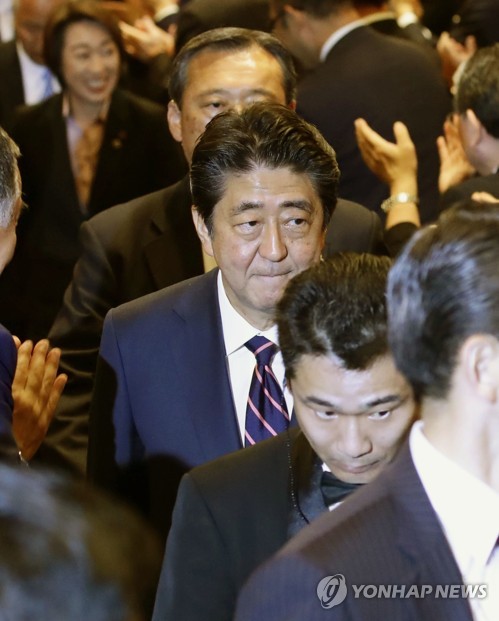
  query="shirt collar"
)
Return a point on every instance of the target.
[
  {"x": 66, "y": 109},
  {"x": 337, "y": 36},
  {"x": 468, "y": 509},
  {"x": 236, "y": 330},
  {"x": 380, "y": 16}
]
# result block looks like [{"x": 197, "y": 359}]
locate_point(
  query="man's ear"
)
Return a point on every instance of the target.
[
  {"x": 174, "y": 120},
  {"x": 480, "y": 356},
  {"x": 476, "y": 130},
  {"x": 202, "y": 231}
]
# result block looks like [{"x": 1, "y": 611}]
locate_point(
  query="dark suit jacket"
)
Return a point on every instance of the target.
[
  {"x": 129, "y": 251},
  {"x": 11, "y": 84},
  {"x": 138, "y": 155},
  {"x": 382, "y": 79},
  {"x": 464, "y": 190},
  {"x": 162, "y": 399},
  {"x": 201, "y": 15},
  {"x": 8, "y": 359},
  {"x": 386, "y": 534},
  {"x": 230, "y": 516}
]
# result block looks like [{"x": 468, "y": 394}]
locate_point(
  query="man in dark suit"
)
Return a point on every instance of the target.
[
  {"x": 175, "y": 368},
  {"x": 357, "y": 72},
  {"x": 150, "y": 243},
  {"x": 25, "y": 77},
  {"x": 198, "y": 16},
  {"x": 354, "y": 409},
  {"x": 477, "y": 120},
  {"x": 410, "y": 527},
  {"x": 29, "y": 385}
]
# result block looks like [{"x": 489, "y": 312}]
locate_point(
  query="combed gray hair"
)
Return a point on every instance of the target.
[{"x": 10, "y": 180}]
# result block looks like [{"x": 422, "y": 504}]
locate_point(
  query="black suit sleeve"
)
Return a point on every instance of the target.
[
  {"x": 196, "y": 579},
  {"x": 77, "y": 331}
]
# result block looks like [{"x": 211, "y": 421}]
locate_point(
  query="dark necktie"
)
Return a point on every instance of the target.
[
  {"x": 334, "y": 490},
  {"x": 266, "y": 412}
]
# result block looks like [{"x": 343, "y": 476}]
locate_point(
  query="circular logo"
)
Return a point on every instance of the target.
[{"x": 332, "y": 590}]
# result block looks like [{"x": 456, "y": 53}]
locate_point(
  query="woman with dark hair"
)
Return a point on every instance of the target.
[{"x": 88, "y": 148}]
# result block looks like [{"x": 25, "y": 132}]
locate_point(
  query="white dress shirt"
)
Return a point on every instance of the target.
[
  {"x": 34, "y": 80},
  {"x": 468, "y": 511},
  {"x": 240, "y": 360},
  {"x": 6, "y": 20}
]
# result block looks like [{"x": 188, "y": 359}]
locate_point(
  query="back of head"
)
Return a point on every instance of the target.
[
  {"x": 315, "y": 8},
  {"x": 442, "y": 289},
  {"x": 10, "y": 181},
  {"x": 479, "y": 18},
  {"x": 262, "y": 135},
  {"x": 74, "y": 12},
  {"x": 336, "y": 307},
  {"x": 70, "y": 553},
  {"x": 478, "y": 88},
  {"x": 230, "y": 40}
]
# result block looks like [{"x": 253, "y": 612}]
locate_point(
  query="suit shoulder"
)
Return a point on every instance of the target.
[
  {"x": 236, "y": 469},
  {"x": 141, "y": 104},
  {"x": 148, "y": 309},
  {"x": 130, "y": 213}
]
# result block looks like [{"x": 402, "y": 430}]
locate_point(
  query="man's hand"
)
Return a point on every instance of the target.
[
  {"x": 145, "y": 41},
  {"x": 36, "y": 390},
  {"x": 453, "y": 54},
  {"x": 395, "y": 163},
  {"x": 454, "y": 165}
]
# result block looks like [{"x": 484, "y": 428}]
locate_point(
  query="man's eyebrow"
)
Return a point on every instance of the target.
[
  {"x": 385, "y": 400},
  {"x": 249, "y": 205}
]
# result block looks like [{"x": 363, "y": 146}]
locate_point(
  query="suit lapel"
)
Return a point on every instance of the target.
[
  {"x": 174, "y": 242},
  {"x": 305, "y": 474},
  {"x": 420, "y": 538},
  {"x": 203, "y": 353},
  {"x": 109, "y": 165}
]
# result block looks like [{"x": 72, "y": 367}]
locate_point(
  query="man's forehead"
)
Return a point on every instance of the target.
[{"x": 204, "y": 62}]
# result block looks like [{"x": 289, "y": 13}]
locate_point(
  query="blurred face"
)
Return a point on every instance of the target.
[
  {"x": 354, "y": 420},
  {"x": 266, "y": 229},
  {"x": 8, "y": 236},
  {"x": 219, "y": 81},
  {"x": 30, "y": 19},
  {"x": 90, "y": 64},
  {"x": 292, "y": 28}
]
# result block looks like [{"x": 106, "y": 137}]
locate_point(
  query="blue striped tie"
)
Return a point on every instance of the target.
[{"x": 266, "y": 412}]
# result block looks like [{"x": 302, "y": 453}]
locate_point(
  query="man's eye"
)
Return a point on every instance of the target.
[
  {"x": 326, "y": 415},
  {"x": 380, "y": 415}
]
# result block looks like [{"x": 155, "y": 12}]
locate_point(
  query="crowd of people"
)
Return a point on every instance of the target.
[{"x": 248, "y": 344}]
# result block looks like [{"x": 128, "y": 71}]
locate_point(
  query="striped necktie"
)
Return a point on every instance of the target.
[{"x": 266, "y": 412}]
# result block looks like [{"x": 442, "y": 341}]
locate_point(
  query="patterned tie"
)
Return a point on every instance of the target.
[
  {"x": 266, "y": 412},
  {"x": 48, "y": 87},
  {"x": 86, "y": 155}
]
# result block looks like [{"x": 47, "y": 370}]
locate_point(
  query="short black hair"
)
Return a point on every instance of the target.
[
  {"x": 336, "y": 307},
  {"x": 442, "y": 289},
  {"x": 478, "y": 88},
  {"x": 68, "y": 552},
  {"x": 263, "y": 134},
  {"x": 230, "y": 40},
  {"x": 73, "y": 12}
]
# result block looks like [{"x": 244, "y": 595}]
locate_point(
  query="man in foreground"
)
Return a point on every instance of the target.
[{"x": 412, "y": 528}]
